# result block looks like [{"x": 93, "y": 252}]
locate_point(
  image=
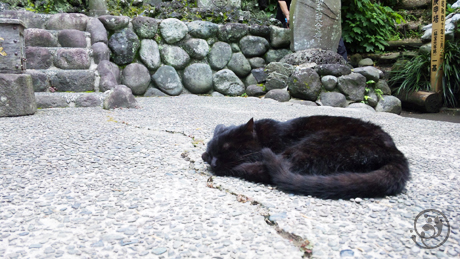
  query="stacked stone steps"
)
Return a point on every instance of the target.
[{"x": 60, "y": 60}]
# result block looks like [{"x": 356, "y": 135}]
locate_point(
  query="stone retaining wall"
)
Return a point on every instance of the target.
[{"x": 71, "y": 46}]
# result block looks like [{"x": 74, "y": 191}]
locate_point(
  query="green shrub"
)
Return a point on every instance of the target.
[
  {"x": 415, "y": 74},
  {"x": 49, "y": 6},
  {"x": 366, "y": 26}
]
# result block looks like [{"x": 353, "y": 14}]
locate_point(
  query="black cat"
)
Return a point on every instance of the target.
[{"x": 323, "y": 156}]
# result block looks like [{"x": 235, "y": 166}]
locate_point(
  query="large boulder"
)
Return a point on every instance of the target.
[
  {"x": 150, "y": 54},
  {"x": 174, "y": 56},
  {"x": 352, "y": 86},
  {"x": 239, "y": 64},
  {"x": 318, "y": 56},
  {"x": 136, "y": 76},
  {"x": 198, "y": 78},
  {"x": 110, "y": 75},
  {"x": 219, "y": 55},
  {"x": 202, "y": 29},
  {"x": 120, "y": 97},
  {"x": 173, "y": 30},
  {"x": 254, "y": 46},
  {"x": 304, "y": 83},
  {"x": 227, "y": 83},
  {"x": 167, "y": 80},
  {"x": 145, "y": 27},
  {"x": 16, "y": 95},
  {"x": 124, "y": 45},
  {"x": 389, "y": 103}
]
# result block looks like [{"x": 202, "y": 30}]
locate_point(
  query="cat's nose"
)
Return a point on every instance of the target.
[{"x": 205, "y": 157}]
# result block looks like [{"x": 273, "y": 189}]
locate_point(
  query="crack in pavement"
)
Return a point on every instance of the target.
[{"x": 302, "y": 244}]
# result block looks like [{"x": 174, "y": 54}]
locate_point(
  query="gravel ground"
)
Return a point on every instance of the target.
[{"x": 130, "y": 183}]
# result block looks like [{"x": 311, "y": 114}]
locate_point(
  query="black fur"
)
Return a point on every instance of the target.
[{"x": 323, "y": 156}]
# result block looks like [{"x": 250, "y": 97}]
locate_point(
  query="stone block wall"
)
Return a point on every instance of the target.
[{"x": 73, "y": 52}]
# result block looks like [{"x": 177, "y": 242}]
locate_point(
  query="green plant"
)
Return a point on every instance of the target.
[
  {"x": 53, "y": 6},
  {"x": 415, "y": 74},
  {"x": 366, "y": 26},
  {"x": 370, "y": 85}
]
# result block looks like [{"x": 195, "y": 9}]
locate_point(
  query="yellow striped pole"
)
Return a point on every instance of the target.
[{"x": 437, "y": 44}]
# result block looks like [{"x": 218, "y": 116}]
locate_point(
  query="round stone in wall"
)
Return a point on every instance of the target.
[
  {"x": 124, "y": 45},
  {"x": 174, "y": 56},
  {"x": 173, "y": 30},
  {"x": 333, "y": 99},
  {"x": 167, "y": 79},
  {"x": 304, "y": 83},
  {"x": 198, "y": 78},
  {"x": 114, "y": 23},
  {"x": 329, "y": 82},
  {"x": 136, "y": 76},
  {"x": 254, "y": 46},
  {"x": 227, "y": 83},
  {"x": 220, "y": 55},
  {"x": 145, "y": 27},
  {"x": 196, "y": 48},
  {"x": 202, "y": 29},
  {"x": 150, "y": 54},
  {"x": 279, "y": 95},
  {"x": 100, "y": 52},
  {"x": 239, "y": 64}
]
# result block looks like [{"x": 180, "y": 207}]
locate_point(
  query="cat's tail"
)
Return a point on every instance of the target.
[{"x": 387, "y": 180}]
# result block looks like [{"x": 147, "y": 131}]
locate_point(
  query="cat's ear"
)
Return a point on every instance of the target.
[
  {"x": 219, "y": 128},
  {"x": 250, "y": 125}
]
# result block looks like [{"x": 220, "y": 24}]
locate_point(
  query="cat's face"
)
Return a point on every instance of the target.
[{"x": 231, "y": 146}]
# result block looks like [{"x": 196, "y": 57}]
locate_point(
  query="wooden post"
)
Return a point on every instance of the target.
[{"x": 437, "y": 44}]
